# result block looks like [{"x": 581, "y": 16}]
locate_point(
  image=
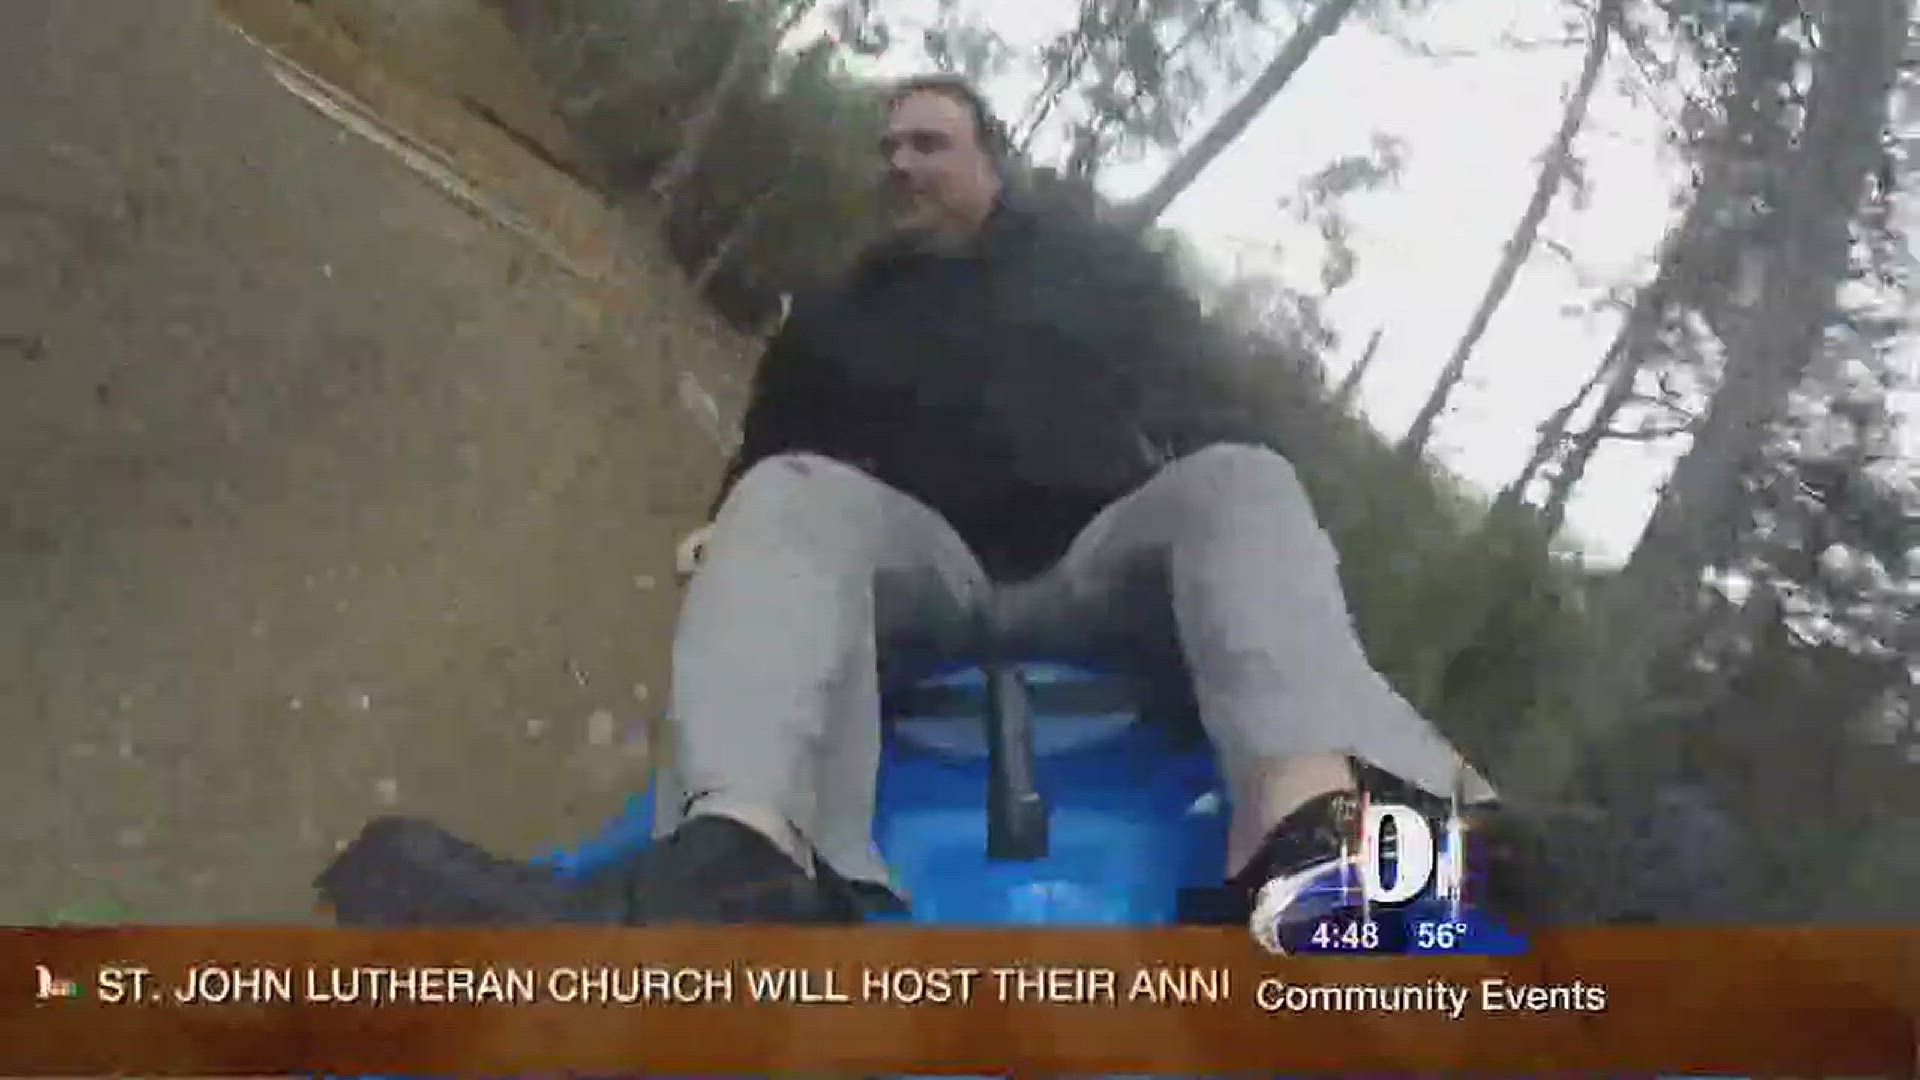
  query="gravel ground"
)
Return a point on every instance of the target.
[{"x": 321, "y": 498}]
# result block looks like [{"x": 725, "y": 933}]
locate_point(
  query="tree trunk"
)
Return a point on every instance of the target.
[
  {"x": 1326, "y": 18},
  {"x": 1350, "y": 386},
  {"x": 1552, "y": 438},
  {"x": 1687, "y": 277},
  {"x": 1690, "y": 272},
  {"x": 1553, "y": 173},
  {"x": 1704, "y": 504},
  {"x": 1623, "y": 372},
  {"x": 698, "y": 133},
  {"x": 1626, "y": 358}
]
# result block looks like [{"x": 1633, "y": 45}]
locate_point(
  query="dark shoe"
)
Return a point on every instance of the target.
[
  {"x": 1506, "y": 868},
  {"x": 713, "y": 869},
  {"x": 407, "y": 872},
  {"x": 1306, "y": 892},
  {"x": 1306, "y": 850},
  {"x": 1301, "y": 889},
  {"x": 877, "y": 901}
]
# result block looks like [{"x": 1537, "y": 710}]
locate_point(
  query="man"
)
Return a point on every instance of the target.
[{"x": 981, "y": 436}]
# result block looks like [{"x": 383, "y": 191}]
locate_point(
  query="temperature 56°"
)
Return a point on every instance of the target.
[{"x": 1438, "y": 935}]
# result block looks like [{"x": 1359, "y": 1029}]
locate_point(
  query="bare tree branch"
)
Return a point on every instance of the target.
[{"x": 1554, "y": 172}]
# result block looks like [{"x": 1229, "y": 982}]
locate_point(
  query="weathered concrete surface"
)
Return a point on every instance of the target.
[{"x": 318, "y": 496}]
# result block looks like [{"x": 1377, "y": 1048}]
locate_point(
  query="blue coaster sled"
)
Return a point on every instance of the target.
[{"x": 1021, "y": 794}]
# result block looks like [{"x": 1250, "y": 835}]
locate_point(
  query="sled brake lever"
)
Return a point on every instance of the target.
[{"x": 1016, "y": 814}]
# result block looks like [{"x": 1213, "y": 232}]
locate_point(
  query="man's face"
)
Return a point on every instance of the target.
[{"x": 940, "y": 180}]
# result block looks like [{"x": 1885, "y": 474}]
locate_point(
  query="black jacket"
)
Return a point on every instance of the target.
[{"x": 1017, "y": 390}]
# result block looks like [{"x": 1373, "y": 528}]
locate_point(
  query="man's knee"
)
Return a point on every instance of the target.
[
  {"x": 795, "y": 500},
  {"x": 792, "y": 487},
  {"x": 782, "y": 475},
  {"x": 1229, "y": 474}
]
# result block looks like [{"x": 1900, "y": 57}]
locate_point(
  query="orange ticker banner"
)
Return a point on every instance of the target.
[{"x": 884, "y": 1000}]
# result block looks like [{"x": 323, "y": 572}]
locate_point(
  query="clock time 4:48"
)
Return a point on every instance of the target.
[{"x": 1355, "y": 933}]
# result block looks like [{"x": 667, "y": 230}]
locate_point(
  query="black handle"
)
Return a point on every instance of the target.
[{"x": 1016, "y": 814}]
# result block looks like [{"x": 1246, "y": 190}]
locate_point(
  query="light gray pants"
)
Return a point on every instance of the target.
[{"x": 818, "y": 581}]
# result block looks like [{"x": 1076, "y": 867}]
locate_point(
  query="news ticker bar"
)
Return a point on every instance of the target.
[{"x": 256, "y": 1001}]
